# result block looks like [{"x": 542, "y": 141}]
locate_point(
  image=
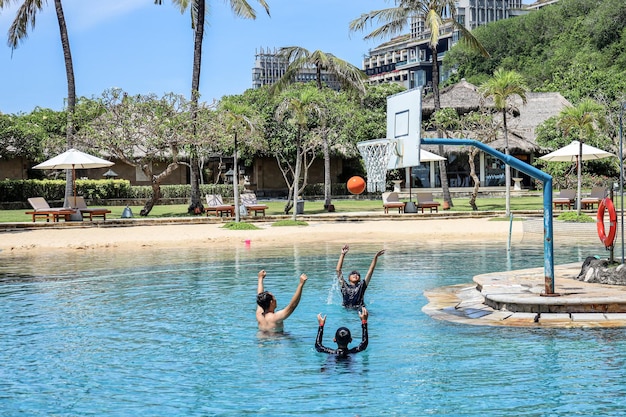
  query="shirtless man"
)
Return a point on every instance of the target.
[
  {"x": 353, "y": 291},
  {"x": 269, "y": 319}
]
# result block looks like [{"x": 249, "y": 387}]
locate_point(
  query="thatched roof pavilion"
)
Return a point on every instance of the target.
[{"x": 522, "y": 123}]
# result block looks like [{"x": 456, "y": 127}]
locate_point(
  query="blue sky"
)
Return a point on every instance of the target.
[{"x": 143, "y": 48}]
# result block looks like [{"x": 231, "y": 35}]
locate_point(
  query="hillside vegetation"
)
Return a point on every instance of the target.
[{"x": 575, "y": 47}]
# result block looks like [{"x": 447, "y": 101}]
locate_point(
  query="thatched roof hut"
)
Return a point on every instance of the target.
[
  {"x": 462, "y": 96},
  {"x": 522, "y": 121}
]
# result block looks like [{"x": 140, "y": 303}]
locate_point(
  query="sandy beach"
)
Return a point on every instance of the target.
[{"x": 187, "y": 235}]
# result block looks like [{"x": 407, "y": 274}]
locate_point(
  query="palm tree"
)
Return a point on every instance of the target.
[
  {"x": 436, "y": 14},
  {"x": 350, "y": 77},
  {"x": 503, "y": 86},
  {"x": 241, "y": 8},
  {"x": 299, "y": 107},
  {"x": 237, "y": 119},
  {"x": 18, "y": 31},
  {"x": 584, "y": 118}
]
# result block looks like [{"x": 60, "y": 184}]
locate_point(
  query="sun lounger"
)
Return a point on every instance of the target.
[
  {"x": 216, "y": 205},
  {"x": 566, "y": 198},
  {"x": 597, "y": 194},
  {"x": 248, "y": 200},
  {"x": 41, "y": 208},
  {"x": 91, "y": 212},
  {"x": 392, "y": 200},
  {"x": 425, "y": 200}
]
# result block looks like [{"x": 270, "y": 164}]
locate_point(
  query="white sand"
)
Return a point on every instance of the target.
[{"x": 187, "y": 235}]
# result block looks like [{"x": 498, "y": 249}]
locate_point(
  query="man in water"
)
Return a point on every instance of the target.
[
  {"x": 342, "y": 337},
  {"x": 268, "y": 318},
  {"x": 354, "y": 290}
]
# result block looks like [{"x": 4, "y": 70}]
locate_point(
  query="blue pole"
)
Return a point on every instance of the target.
[{"x": 548, "y": 248}]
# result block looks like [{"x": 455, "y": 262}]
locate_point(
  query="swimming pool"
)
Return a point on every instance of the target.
[{"x": 172, "y": 333}]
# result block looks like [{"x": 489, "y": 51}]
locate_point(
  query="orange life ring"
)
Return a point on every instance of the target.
[{"x": 607, "y": 204}]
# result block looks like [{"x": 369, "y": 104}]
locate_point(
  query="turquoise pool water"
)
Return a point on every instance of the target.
[{"x": 172, "y": 333}]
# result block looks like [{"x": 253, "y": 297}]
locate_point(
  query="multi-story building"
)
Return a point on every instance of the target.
[
  {"x": 270, "y": 66},
  {"x": 407, "y": 59}
]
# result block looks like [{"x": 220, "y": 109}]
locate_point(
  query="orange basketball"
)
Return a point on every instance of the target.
[{"x": 356, "y": 185}]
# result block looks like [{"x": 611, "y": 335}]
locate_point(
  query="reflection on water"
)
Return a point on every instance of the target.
[{"x": 172, "y": 332}]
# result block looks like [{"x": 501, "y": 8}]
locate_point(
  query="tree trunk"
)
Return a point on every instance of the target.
[
  {"x": 474, "y": 195},
  {"x": 236, "y": 182},
  {"x": 327, "y": 182},
  {"x": 71, "y": 95},
  {"x": 194, "y": 177},
  {"x": 443, "y": 171},
  {"x": 579, "y": 168},
  {"x": 507, "y": 167},
  {"x": 296, "y": 176},
  {"x": 156, "y": 194}
]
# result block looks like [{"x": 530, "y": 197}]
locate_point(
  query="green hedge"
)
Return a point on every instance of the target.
[{"x": 54, "y": 190}]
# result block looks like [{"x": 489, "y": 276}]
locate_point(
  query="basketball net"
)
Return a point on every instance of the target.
[{"x": 376, "y": 155}]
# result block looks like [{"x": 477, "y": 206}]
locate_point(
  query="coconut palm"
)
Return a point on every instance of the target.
[
  {"x": 298, "y": 108},
  {"x": 584, "y": 118},
  {"x": 241, "y": 8},
  {"x": 350, "y": 77},
  {"x": 502, "y": 87},
  {"x": 238, "y": 120},
  {"x": 18, "y": 31},
  {"x": 436, "y": 14}
]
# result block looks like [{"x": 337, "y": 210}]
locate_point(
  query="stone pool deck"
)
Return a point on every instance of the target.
[{"x": 515, "y": 298}]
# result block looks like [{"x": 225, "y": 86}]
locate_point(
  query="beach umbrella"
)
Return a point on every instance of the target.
[
  {"x": 576, "y": 152},
  {"x": 73, "y": 159},
  {"x": 426, "y": 156},
  {"x": 571, "y": 152},
  {"x": 110, "y": 174}
]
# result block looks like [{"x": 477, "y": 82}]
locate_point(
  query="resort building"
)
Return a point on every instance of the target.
[
  {"x": 270, "y": 66},
  {"x": 406, "y": 59}
]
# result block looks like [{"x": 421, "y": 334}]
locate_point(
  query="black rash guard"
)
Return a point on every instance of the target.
[
  {"x": 352, "y": 294},
  {"x": 340, "y": 352}
]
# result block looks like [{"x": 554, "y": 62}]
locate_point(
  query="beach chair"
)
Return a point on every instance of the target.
[
  {"x": 425, "y": 200},
  {"x": 392, "y": 200},
  {"x": 566, "y": 198},
  {"x": 216, "y": 205},
  {"x": 597, "y": 194},
  {"x": 41, "y": 208},
  {"x": 79, "y": 203},
  {"x": 249, "y": 201}
]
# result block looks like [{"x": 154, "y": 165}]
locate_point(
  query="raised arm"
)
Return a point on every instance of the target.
[
  {"x": 370, "y": 272},
  {"x": 259, "y": 289},
  {"x": 344, "y": 250},
  {"x": 363, "y": 314},
  {"x": 262, "y": 275},
  {"x": 295, "y": 300},
  {"x": 320, "y": 335}
]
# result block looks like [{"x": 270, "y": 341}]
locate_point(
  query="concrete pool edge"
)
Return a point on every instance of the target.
[{"x": 514, "y": 298}]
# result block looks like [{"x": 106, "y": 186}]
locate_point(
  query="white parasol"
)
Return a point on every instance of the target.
[
  {"x": 73, "y": 159},
  {"x": 576, "y": 152}
]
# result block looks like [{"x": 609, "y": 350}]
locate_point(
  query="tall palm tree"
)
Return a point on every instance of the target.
[
  {"x": 503, "y": 86},
  {"x": 18, "y": 31},
  {"x": 584, "y": 118},
  {"x": 436, "y": 15},
  {"x": 298, "y": 108},
  {"x": 237, "y": 119},
  {"x": 241, "y": 8},
  {"x": 350, "y": 77}
]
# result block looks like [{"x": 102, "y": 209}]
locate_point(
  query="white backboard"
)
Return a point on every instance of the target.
[{"x": 404, "y": 120}]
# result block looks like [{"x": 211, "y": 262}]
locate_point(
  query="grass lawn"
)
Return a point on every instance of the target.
[{"x": 276, "y": 207}]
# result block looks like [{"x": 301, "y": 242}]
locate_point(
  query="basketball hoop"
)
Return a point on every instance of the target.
[{"x": 376, "y": 155}]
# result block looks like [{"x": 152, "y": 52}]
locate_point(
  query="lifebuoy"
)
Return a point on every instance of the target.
[{"x": 607, "y": 204}]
